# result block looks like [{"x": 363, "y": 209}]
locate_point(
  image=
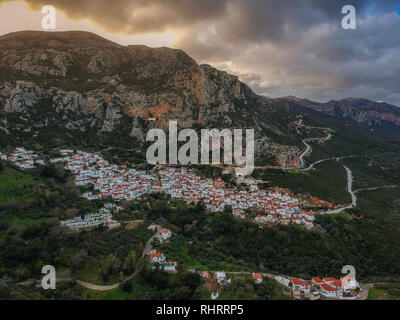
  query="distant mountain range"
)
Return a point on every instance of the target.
[{"x": 361, "y": 110}]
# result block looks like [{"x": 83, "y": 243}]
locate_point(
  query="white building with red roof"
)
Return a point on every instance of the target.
[{"x": 257, "y": 278}]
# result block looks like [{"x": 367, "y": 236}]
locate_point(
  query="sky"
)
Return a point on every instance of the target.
[{"x": 277, "y": 47}]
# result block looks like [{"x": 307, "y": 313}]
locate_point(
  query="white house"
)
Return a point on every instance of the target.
[
  {"x": 349, "y": 283},
  {"x": 166, "y": 234},
  {"x": 157, "y": 257},
  {"x": 171, "y": 267},
  {"x": 257, "y": 278},
  {"x": 300, "y": 285},
  {"x": 330, "y": 291},
  {"x": 221, "y": 276}
]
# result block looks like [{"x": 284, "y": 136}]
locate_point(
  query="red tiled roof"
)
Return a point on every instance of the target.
[
  {"x": 317, "y": 280},
  {"x": 257, "y": 276},
  {"x": 337, "y": 283},
  {"x": 299, "y": 282},
  {"x": 329, "y": 279},
  {"x": 328, "y": 288}
]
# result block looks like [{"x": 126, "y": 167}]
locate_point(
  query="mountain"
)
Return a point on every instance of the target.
[
  {"x": 77, "y": 82},
  {"x": 76, "y": 88},
  {"x": 372, "y": 113}
]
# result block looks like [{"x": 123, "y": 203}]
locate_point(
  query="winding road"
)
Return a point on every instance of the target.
[
  {"x": 301, "y": 158},
  {"x": 349, "y": 184},
  {"x": 350, "y": 191},
  {"x": 348, "y": 171}
]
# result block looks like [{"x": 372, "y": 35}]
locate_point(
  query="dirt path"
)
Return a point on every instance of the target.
[
  {"x": 97, "y": 287},
  {"x": 376, "y": 188},
  {"x": 365, "y": 291}
]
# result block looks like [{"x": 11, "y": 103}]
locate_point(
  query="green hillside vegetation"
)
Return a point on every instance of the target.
[
  {"x": 327, "y": 181},
  {"x": 244, "y": 288},
  {"x": 15, "y": 185}
]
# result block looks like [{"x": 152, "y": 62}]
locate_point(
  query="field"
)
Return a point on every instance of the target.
[{"x": 380, "y": 294}]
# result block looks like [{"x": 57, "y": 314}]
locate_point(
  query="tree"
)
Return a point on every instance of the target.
[
  {"x": 130, "y": 262},
  {"x": 78, "y": 258},
  {"x": 127, "y": 286},
  {"x": 109, "y": 266}
]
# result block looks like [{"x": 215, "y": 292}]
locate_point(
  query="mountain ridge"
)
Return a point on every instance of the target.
[{"x": 78, "y": 82}]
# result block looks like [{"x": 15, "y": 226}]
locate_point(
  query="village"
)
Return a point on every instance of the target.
[
  {"x": 327, "y": 288},
  {"x": 271, "y": 206},
  {"x": 120, "y": 183},
  {"x": 107, "y": 180},
  {"x": 110, "y": 181}
]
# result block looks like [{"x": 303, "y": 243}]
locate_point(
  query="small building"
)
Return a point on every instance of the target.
[
  {"x": 300, "y": 285},
  {"x": 349, "y": 283},
  {"x": 166, "y": 234},
  {"x": 330, "y": 291},
  {"x": 152, "y": 227},
  {"x": 221, "y": 276},
  {"x": 257, "y": 278},
  {"x": 315, "y": 295},
  {"x": 316, "y": 281},
  {"x": 109, "y": 205},
  {"x": 171, "y": 267},
  {"x": 112, "y": 224},
  {"x": 157, "y": 257}
]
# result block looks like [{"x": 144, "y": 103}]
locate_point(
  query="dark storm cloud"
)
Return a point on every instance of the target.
[
  {"x": 279, "y": 47},
  {"x": 136, "y": 16},
  {"x": 243, "y": 19}
]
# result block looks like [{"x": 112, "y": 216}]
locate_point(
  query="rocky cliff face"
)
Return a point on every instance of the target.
[{"x": 79, "y": 82}]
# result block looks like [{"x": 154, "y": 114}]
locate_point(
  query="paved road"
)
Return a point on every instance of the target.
[
  {"x": 316, "y": 162},
  {"x": 301, "y": 158},
  {"x": 148, "y": 246},
  {"x": 308, "y": 147},
  {"x": 350, "y": 191}
]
